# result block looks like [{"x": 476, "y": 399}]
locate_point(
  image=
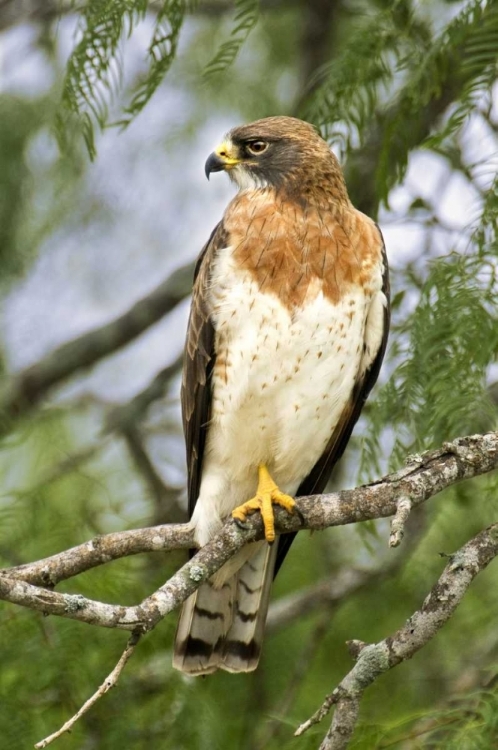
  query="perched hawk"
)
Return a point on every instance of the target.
[{"x": 287, "y": 332}]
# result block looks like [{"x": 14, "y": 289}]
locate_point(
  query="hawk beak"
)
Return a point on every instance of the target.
[{"x": 221, "y": 159}]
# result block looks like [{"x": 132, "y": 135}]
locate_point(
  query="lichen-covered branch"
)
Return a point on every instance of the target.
[
  {"x": 145, "y": 616},
  {"x": 372, "y": 660},
  {"x": 101, "y": 550},
  {"x": 425, "y": 476}
]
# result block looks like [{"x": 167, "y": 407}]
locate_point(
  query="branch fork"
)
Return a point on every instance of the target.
[
  {"x": 30, "y": 585},
  {"x": 374, "y": 659}
]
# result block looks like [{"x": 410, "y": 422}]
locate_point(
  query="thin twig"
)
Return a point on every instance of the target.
[
  {"x": 109, "y": 682},
  {"x": 399, "y": 520}
]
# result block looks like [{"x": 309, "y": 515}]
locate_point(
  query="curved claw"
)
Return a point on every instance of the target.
[
  {"x": 268, "y": 494},
  {"x": 241, "y": 524}
]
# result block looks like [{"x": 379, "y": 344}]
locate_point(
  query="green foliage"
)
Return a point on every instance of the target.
[
  {"x": 351, "y": 86},
  {"x": 469, "y": 722},
  {"x": 458, "y": 67},
  {"x": 93, "y": 69},
  {"x": 473, "y": 40},
  {"x": 388, "y": 86},
  {"x": 246, "y": 17},
  {"x": 161, "y": 53},
  {"x": 393, "y": 76},
  {"x": 443, "y": 350}
]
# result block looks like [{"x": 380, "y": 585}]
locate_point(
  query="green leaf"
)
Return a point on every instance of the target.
[{"x": 246, "y": 18}]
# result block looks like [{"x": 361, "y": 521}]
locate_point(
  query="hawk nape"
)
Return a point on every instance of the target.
[{"x": 287, "y": 331}]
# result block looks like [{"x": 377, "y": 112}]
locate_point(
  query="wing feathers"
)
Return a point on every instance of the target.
[{"x": 198, "y": 365}]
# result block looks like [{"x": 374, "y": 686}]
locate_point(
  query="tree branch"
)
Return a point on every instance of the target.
[
  {"x": 128, "y": 415},
  {"x": 101, "y": 550},
  {"x": 109, "y": 682},
  {"x": 164, "y": 497},
  {"x": 145, "y": 616},
  {"x": 375, "y": 659},
  {"x": 425, "y": 476},
  {"x": 30, "y": 386}
]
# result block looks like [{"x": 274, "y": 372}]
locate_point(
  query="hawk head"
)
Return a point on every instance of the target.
[{"x": 278, "y": 152}]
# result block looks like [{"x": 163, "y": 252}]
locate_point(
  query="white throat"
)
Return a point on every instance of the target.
[{"x": 245, "y": 180}]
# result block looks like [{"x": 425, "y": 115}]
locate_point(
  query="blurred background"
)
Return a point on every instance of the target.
[{"x": 108, "y": 111}]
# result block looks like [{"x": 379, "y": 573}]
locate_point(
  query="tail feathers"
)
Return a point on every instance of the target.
[
  {"x": 222, "y": 628},
  {"x": 205, "y": 619},
  {"x": 242, "y": 646}
]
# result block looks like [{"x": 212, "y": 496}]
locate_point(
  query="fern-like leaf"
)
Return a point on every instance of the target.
[
  {"x": 93, "y": 69},
  {"x": 161, "y": 53},
  {"x": 454, "y": 71},
  {"x": 352, "y": 86},
  {"x": 247, "y": 14}
]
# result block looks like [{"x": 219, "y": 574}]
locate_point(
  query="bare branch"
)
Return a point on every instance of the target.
[
  {"x": 100, "y": 550},
  {"x": 399, "y": 520},
  {"x": 165, "y": 497},
  {"x": 425, "y": 475},
  {"x": 109, "y": 682},
  {"x": 30, "y": 386},
  {"x": 126, "y": 415},
  {"x": 145, "y": 616},
  {"x": 375, "y": 659},
  {"x": 423, "y": 478}
]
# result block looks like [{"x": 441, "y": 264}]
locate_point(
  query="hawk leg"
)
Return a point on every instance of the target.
[{"x": 267, "y": 495}]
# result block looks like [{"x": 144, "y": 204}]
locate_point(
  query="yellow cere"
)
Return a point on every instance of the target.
[{"x": 225, "y": 151}]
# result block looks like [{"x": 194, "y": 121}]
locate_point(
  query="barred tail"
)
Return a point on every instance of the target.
[{"x": 221, "y": 626}]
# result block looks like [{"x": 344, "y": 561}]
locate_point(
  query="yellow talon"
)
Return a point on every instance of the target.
[{"x": 267, "y": 495}]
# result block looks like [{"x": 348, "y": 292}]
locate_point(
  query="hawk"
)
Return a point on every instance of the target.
[{"x": 287, "y": 331}]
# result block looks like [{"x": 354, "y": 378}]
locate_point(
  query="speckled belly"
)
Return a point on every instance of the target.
[{"x": 281, "y": 381}]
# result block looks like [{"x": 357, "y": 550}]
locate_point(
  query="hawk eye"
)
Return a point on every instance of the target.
[{"x": 257, "y": 147}]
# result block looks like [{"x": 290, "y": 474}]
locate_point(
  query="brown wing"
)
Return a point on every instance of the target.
[
  {"x": 198, "y": 364},
  {"x": 317, "y": 479}
]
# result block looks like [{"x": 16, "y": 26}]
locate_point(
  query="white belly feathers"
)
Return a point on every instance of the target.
[{"x": 280, "y": 384}]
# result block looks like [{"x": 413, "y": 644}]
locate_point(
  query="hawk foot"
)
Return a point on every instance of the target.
[{"x": 267, "y": 495}]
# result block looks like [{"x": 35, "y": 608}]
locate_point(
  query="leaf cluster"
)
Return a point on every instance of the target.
[
  {"x": 93, "y": 72},
  {"x": 246, "y": 17}
]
